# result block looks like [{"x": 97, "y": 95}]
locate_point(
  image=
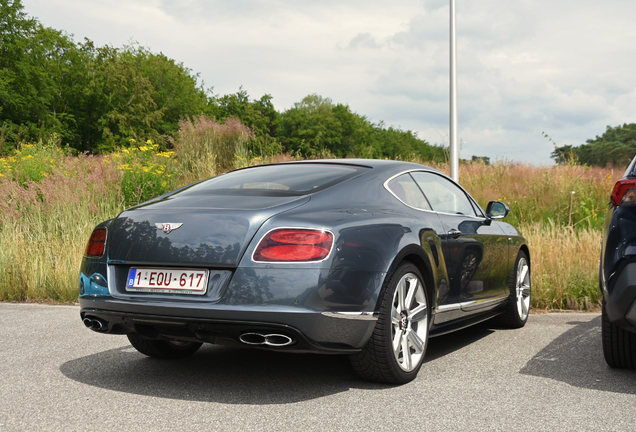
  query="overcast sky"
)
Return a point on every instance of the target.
[{"x": 564, "y": 67}]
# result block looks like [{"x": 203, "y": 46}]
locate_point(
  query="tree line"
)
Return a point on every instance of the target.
[
  {"x": 96, "y": 99},
  {"x": 617, "y": 147}
]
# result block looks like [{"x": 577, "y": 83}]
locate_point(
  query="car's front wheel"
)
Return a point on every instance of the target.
[
  {"x": 396, "y": 349},
  {"x": 163, "y": 348},
  {"x": 619, "y": 346}
]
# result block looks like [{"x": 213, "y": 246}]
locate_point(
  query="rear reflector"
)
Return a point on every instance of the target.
[
  {"x": 294, "y": 245},
  {"x": 96, "y": 243},
  {"x": 624, "y": 192}
]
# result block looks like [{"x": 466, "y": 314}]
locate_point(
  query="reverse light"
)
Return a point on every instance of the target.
[
  {"x": 96, "y": 243},
  {"x": 624, "y": 192},
  {"x": 294, "y": 245}
]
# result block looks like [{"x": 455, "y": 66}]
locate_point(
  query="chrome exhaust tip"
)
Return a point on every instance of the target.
[
  {"x": 252, "y": 338},
  {"x": 273, "y": 340},
  {"x": 278, "y": 340},
  {"x": 96, "y": 324}
]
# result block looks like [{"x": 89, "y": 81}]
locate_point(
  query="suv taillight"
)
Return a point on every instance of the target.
[
  {"x": 294, "y": 245},
  {"x": 624, "y": 192},
  {"x": 96, "y": 243}
]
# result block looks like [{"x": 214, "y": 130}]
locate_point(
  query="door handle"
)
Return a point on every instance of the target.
[{"x": 454, "y": 233}]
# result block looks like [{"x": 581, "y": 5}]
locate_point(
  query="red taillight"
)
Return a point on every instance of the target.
[
  {"x": 624, "y": 193},
  {"x": 294, "y": 245},
  {"x": 96, "y": 243}
]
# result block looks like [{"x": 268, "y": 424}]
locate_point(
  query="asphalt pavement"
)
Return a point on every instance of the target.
[{"x": 56, "y": 375}]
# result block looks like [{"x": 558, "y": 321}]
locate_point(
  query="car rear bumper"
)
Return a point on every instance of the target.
[{"x": 309, "y": 331}]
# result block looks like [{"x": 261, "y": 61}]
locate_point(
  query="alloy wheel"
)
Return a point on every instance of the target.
[
  {"x": 523, "y": 288},
  {"x": 409, "y": 319}
]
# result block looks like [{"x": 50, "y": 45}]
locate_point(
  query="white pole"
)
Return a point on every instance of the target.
[{"x": 454, "y": 148}]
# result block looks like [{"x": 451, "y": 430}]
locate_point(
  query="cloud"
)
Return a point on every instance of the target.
[{"x": 363, "y": 40}]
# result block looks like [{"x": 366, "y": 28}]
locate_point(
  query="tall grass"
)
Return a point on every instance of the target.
[
  {"x": 565, "y": 266},
  {"x": 206, "y": 147},
  {"x": 44, "y": 224}
]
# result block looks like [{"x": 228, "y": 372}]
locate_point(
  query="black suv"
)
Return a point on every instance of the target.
[{"x": 617, "y": 276}]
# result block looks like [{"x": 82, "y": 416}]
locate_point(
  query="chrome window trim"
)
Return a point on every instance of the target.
[{"x": 468, "y": 196}]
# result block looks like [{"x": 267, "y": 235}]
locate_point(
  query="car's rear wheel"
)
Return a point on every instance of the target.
[
  {"x": 518, "y": 307},
  {"x": 619, "y": 346},
  {"x": 163, "y": 348},
  {"x": 396, "y": 349}
]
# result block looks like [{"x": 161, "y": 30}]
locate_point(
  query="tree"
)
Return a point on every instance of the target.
[
  {"x": 93, "y": 98},
  {"x": 316, "y": 124},
  {"x": 311, "y": 126},
  {"x": 617, "y": 146},
  {"x": 259, "y": 115},
  {"x": 33, "y": 62}
]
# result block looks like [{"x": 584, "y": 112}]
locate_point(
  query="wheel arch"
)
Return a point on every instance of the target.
[{"x": 416, "y": 256}]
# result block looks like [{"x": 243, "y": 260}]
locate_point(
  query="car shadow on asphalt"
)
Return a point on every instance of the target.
[
  {"x": 236, "y": 375},
  {"x": 576, "y": 358}
]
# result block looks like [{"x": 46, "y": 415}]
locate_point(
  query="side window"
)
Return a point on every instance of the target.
[
  {"x": 443, "y": 195},
  {"x": 407, "y": 191}
]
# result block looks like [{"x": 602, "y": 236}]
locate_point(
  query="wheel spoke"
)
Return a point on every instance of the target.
[
  {"x": 400, "y": 288},
  {"x": 524, "y": 308},
  {"x": 406, "y": 353},
  {"x": 416, "y": 342},
  {"x": 395, "y": 317},
  {"x": 419, "y": 313},
  {"x": 412, "y": 288},
  {"x": 525, "y": 290},
  {"x": 524, "y": 272},
  {"x": 396, "y": 343}
]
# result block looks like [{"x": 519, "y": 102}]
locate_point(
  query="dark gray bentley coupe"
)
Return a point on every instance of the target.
[{"x": 362, "y": 257}]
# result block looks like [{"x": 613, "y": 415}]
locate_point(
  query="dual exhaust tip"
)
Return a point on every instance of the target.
[
  {"x": 95, "y": 324},
  {"x": 273, "y": 340}
]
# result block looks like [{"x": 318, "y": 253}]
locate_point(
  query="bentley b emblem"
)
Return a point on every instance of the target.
[{"x": 168, "y": 226}]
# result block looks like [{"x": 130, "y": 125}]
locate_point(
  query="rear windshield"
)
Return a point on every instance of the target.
[{"x": 277, "y": 180}]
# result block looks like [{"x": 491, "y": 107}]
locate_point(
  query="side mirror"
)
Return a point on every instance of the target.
[{"x": 497, "y": 210}]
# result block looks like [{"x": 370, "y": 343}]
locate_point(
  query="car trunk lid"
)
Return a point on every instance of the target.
[{"x": 207, "y": 230}]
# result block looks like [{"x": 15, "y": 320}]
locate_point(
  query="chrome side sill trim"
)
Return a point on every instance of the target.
[
  {"x": 362, "y": 316},
  {"x": 455, "y": 306}
]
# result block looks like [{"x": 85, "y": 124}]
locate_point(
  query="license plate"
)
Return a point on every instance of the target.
[{"x": 172, "y": 281}]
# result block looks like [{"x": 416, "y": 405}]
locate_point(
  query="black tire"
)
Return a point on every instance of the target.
[
  {"x": 619, "y": 346},
  {"x": 403, "y": 322},
  {"x": 163, "y": 349},
  {"x": 517, "y": 309}
]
